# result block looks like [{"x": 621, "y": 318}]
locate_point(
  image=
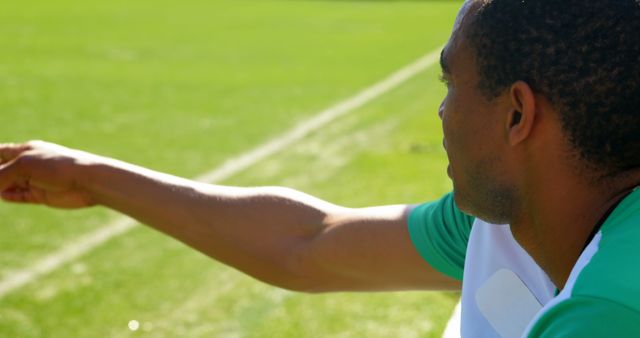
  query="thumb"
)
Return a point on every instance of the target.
[{"x": 10, "y": 151}]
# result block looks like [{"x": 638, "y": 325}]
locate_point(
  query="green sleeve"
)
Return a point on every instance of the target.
[
  {"x": 440, "y": 232},
  {"x": 588, "y": 317}
]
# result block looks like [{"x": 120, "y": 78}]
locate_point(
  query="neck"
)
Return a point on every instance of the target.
[{"x": 556, "y": 223}]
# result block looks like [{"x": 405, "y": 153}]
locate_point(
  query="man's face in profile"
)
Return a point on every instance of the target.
[{"x": 473, "y": 129}]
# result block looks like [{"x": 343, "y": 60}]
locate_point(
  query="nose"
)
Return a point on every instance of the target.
[{"x": 441, "y": 109}]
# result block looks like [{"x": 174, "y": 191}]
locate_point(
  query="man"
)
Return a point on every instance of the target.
[{"x": 542, "y": 132}]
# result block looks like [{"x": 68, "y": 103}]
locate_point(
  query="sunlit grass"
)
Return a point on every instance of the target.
[{"x": 182, "y": 86}]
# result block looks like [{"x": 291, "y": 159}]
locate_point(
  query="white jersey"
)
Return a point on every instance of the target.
[
  {"x": 506, "y": 294},
  {"x": 491, "y": 249},
  {"x": 496, "y": 269}
]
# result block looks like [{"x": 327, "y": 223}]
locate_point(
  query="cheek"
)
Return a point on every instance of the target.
[
  {"x": 448, "y": 122},
  {"x": 458, "y": 140}
]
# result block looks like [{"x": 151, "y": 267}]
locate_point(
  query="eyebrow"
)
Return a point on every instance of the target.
[{"x": 443, "y": 63}]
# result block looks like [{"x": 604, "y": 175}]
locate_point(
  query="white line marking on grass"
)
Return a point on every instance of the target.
[
  {"x": 86, "y": 243},
  {"x": 453, "y": 325}
]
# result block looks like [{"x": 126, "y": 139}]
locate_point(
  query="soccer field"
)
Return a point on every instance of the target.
[{"x": 181, "y": 87}]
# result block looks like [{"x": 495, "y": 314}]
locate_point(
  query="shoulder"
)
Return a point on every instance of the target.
[
  {"x": 582, "y": 316},
  {"x": 443, "y": 211},
  {"x": 611, "y": 270},
  {"x": 440, "y": 233},
  {"x": 602, "y": 296}
]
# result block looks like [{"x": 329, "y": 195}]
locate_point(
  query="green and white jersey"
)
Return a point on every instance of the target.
[
  {"x": 600, "y": 299},
  {"x": 602, "y": 295},
  {"x": 459, "y": 245}
]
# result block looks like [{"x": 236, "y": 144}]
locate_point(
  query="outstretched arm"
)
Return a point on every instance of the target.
[{"x": 278, "y": 235}]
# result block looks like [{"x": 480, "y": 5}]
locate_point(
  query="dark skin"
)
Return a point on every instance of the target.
[{"x": 530, "y": 177}]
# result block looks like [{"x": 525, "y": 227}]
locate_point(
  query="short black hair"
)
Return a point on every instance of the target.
[{"x": 582, "y": 55}]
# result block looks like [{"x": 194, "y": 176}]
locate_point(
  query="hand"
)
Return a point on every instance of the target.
[{"x": 43, "y": 173}]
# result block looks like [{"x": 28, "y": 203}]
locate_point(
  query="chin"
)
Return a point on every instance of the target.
[
  {"x": 490, "y": 208},
  {"x": 461, "y": 200}
]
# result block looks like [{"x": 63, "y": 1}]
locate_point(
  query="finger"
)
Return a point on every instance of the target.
[
  {"x": 10, "y": 151},
  {"x": 18, "y": 195},
  {"x": 9, "y": 175}
]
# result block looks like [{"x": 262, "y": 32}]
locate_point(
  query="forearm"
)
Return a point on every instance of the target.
[
  {"x": 256, "y": 230},
  {"x": 278, "y": 235}
]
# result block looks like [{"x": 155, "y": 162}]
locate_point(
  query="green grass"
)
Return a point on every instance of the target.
[{"x": 180, "y": 87}]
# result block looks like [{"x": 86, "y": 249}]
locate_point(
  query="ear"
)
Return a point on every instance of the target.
[{"x": 523, "y": 112}]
